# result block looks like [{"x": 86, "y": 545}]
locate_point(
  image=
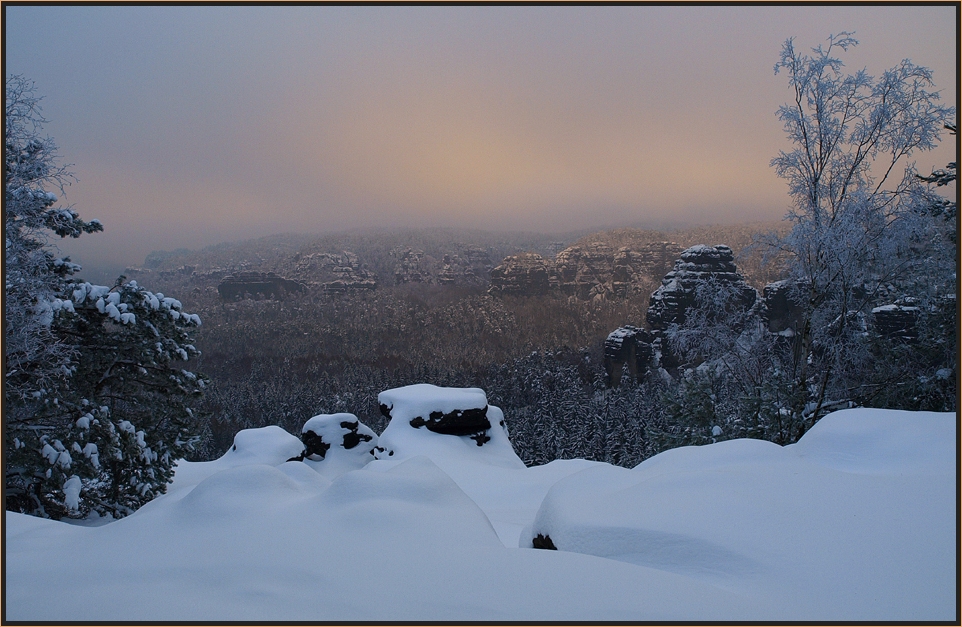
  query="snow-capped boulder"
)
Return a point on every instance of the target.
[
  {"x": 336, "y": 443},
  {"x": 431, "y": 420},
  {"x": 268, "y": 446}
]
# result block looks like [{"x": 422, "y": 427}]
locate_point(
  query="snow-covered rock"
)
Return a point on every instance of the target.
[
  {"x": 270, "y": 446},
  {"x": 438, "y": 422},
  {"x": 696, "y": 265},
  {"x": 337, "y": 443}
]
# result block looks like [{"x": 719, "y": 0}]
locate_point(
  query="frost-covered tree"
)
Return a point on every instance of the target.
[
  {"x": 732, "y": 382},
  {"x": 34, "y": 275},
  {"x": 856, "y": 232},
  {"x": 97, "y": 401}
]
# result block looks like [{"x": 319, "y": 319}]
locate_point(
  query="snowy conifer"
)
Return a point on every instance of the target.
[{"x": 97, "y": 402}]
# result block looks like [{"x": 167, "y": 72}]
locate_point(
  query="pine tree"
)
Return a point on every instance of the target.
[{"x": 97, "y": 404}]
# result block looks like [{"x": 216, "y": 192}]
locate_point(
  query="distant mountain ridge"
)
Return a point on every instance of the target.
[{"x": 431, "y": 255}]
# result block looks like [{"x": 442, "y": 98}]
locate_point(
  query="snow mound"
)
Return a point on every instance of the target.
[
  {"x": 443, "y": 422},
  {"x": 271, "y": 446},
  {"x": 856, "y": 521},
  {"x": 246, "y": 490},
  {"x": 268, "y": 445},
  {"x": 879, "y": 441}
]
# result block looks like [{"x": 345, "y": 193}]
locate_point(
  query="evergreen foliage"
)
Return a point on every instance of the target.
[{"x": 97, "y": 404}]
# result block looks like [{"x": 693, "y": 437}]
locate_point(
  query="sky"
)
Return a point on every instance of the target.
[{"x": 193, "y": 125}]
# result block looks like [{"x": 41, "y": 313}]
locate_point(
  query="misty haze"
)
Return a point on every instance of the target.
[{"x": 481, "y": 313}]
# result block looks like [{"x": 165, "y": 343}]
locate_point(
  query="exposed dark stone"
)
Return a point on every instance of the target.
[
  {"x": 457, "y": 422},
  {"x": 266, "y": 284},
  {"x": 481, "y": 438},
  {"x": 353, "y": 438},
  {"x": 314, "y": 445},
  {"x": 782, "y": 313},
  {"x": 897, "y": 322},
  {"x": 385, "y": 410},
  {"x": 543, "y": 542},
  {"x": 629, "y": 346}
]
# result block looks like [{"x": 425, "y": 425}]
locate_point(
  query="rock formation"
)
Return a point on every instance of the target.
[
  {"x": 525, "y": 274},
  {"x": 642, "y": 351},
  {"x": 430, "y": 418},
  {"x": 336, "y": 443},
  {"x": 898, "y": 321},
  {"x": 471, "y": 266},
  {"x": 631, "y": 346},
  {"x": 696, "y": 265},
  {"x": 336, "y": 272},
  {"x": 409, "y": 266},
  {"x": 585, "y": 272},
  {"x": 236, "y": 286}
]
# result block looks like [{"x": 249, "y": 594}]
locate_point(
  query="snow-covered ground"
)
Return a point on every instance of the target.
[{"x": 855, "y": 522}]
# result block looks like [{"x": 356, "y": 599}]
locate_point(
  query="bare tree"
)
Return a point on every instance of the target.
[{"x": 855, "y": 227}]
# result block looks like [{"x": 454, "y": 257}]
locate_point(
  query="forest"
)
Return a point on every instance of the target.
[{"x": 106, "y": 387}]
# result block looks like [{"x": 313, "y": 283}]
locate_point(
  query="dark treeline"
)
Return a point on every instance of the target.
[{"x": 538, "y": 358}]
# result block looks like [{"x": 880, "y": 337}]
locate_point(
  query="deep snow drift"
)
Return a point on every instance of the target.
[{"x": 855, "y": 522}]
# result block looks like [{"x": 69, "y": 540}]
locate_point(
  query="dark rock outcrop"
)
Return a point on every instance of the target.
[
  {"x": 643, "y": 351},
  {"x": 525, "y": 274},
  {"x": 236, "y": 286},
  {"x": 678, "y": 289},
  {"x": 352, "y": 438},
  {"x": 782, "y": 314},
  {"x": 585, "y": 272},
  {"x": 898, "y": 321},
  {"x": 457, "y": 422},
  {"x": 631, "y": 346}
]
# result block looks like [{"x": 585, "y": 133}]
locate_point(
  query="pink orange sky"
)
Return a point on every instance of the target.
[{"x": 189, "y": 126}]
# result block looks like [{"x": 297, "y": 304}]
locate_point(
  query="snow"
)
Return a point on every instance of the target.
[
  {"x": 71, "y": 490},
  {"x": 857, "y": 521},
  {"x": 839, "y": 526}
]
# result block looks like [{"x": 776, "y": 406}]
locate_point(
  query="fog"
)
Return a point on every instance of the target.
[{"x": 188, "y": 126}]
